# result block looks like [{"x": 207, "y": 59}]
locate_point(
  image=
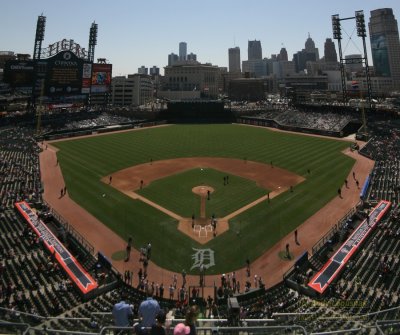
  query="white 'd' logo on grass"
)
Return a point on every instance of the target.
[{"x": 203, "y": 257}]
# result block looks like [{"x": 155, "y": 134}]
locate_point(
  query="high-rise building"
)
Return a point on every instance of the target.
[
  {"x": 310, "y": 47},
  {"x": 154, "y": 71},
  {"x": 182, "y": 51},
  {"x": 255, "y": 68},
  {"x": 385, "y": 44},
  {"x": 191, "y": 57},
  {"x": 283, "y": 56},
  {"x": 234, "y": 59},
  {"x": 143, "y": 70},
  {"x": 172, "y": 59},
  {"x": 301, "y": 58},
  {"x": 330, "y": 51},
  {"x": 254, "y": 50}
]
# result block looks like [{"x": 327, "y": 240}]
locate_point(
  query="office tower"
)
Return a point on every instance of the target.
[
  {"x": 234, "y": 59},
  {"x": 172, "y": 59},
  {"x": 192, "y": 57},
  {"x": 154, "y": 71},
  {"x": 310, "y": 47},
  {"x": 301, "y": 58},
  {"x": 283, "y": 56},
  {"x": 254, "y": 50},
  {"x": 330, "y": 51},
  {"x": 182, "y": 51},
  {"x": 255, "y": 68},
  {"x": 385, "y": 45},
  {"x": 143, "y": 70}
]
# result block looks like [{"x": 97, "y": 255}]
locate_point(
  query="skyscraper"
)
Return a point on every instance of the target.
[
  {"x": 254, "y": 50},
  {"x": 385, "y": 44},
  {"x": 143, "y": 70},
  {"x": 310, "y": 47},
  {"x": 154, "y": 71},
  {"x": 283, "y": 56},
  {"x": 172, "y": 59},
  {"x": 234, "y": 59},
  {"x": 192, "y": 57},
  {"x": 182, "y": 50},
  {"x": 330, "y": 51}
]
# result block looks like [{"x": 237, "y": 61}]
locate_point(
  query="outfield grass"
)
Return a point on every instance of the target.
[
  {"x": 85, "y": 161},
  {"x": 175, "y": 192}
]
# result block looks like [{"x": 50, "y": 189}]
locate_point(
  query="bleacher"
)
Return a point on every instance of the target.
[{"x": 309, "y": 118}]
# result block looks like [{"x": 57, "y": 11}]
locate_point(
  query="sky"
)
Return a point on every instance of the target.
[{"x": 132, "y": 33}]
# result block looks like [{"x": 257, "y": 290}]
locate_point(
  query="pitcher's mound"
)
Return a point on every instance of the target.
[{"x": 202, "y": 190}]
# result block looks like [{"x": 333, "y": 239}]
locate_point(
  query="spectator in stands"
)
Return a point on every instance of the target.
[
  {"x": 158, "y": 328},
  {"x": 122, "y": 311},
  {"x": 191, "y": 318},
  {"x": 181, "y": 329},
  {"x": 148, "y": 311}
]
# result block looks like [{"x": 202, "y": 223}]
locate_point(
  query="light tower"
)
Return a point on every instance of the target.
[
  {"x": 337, "y": 35},
  {"x": 37, "y": 51},
  {"x": 92, "y": 41},
  {"x": 361, "y": 32},
  {"x": 39, "y": 37}
]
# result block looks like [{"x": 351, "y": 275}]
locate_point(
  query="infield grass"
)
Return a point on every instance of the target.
[
  {"x": 175, "y": 192},
  {"x": 85, "y": 161}
]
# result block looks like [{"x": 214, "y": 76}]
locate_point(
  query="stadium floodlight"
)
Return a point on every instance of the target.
[
  {"x": 360, "y": 23},
  {"x": 337, "y": 32},
  {"x": 93, "y": 34},
  {"x": 39, "y": 36},
  {"x": 92, "y": 41},
  {"x": 40, "y": 27}
]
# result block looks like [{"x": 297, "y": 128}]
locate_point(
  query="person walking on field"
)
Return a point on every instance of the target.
[
  {"x": 287, "y": 251},
  {"x": 128, "y": 248}
]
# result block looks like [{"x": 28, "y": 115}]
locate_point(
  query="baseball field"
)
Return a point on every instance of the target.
[{"x": 154, "y": 172}]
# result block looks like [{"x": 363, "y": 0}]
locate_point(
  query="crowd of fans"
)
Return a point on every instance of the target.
[
  {"x": 19, "y": 167},
  {"x": 102, "y": 119},
  {"x": 82, "y": 119},
  {"x": 384, "y": 148},
  {"x": 310, "y": 119}
]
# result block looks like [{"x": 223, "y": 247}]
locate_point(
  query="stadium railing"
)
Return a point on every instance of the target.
[
  {"x": 286, "y": 323},
  {"x": 324, "y": 239},
  {"x": 70, "y": 229}
]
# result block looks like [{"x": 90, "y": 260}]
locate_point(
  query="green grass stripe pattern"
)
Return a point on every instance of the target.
[{"x": 85, "y": 161}]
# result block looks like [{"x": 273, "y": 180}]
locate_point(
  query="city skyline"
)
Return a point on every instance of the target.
[{"x": 132, "y": 34}]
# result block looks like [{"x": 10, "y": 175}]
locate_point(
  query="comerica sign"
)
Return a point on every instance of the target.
[{"x": 65, "y": 45}]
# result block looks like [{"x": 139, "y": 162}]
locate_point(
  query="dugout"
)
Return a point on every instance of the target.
[{"x": 197, "y": 111}]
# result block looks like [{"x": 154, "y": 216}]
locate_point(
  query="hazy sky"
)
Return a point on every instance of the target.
[{"x": 132, "y": 33}]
